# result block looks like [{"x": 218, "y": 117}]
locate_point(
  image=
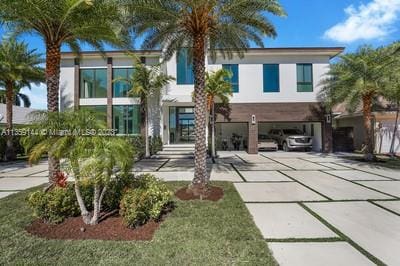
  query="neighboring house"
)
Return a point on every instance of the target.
[
  {"x": 350, "y": 126},
  {"x": 273, "y": 88},
  {"x": 20, "y": 115}
]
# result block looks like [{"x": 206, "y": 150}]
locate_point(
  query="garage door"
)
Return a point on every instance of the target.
[{"x": 311, "y": 129}]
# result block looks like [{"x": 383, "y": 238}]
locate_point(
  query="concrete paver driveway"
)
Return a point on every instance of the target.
[{"x": 312, "y": 209}]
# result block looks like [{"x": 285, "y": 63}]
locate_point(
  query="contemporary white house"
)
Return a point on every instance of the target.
[{"x": 273, "y": 88}]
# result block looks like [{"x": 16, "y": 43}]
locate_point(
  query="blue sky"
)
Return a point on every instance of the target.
[{"x": 347, "y": 23}]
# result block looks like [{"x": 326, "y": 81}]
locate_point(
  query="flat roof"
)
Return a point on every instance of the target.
[{"x": 327, "y": 51}]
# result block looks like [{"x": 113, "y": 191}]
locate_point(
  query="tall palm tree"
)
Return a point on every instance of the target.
[
  {"x": 19, "y": 67},
  {"x": 357, "y": 80},
  {"x": 218, "y": 88},
  {"x": 392, "y": 87},
  {"x": 227, "y": 27},
  {"x": 20, "y": 99},
  {"x": 70, "y": 22},
  {"x": 145, "y": 82}
]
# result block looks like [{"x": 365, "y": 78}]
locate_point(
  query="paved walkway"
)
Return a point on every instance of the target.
[
  {"x": 312, "y": 209},
  {"x": 18, "y": 176}
]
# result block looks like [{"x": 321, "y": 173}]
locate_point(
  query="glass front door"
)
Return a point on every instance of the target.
[{"x": 181, "y": 125}]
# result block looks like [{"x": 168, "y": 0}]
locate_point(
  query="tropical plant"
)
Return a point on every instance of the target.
[
  {"x": 218, "y": 88},
  {"x": 392, "y": 88},
  {"x": 19, "y": 67},
  {"x": 89, "y": 157},
  {"x": 69, "y": 22},
  {"x": 226, "y": 27},
  {"x": 20, "y": 99},
  {"x": 146, "y": 82},
  {"x": 357, "y": 79}
]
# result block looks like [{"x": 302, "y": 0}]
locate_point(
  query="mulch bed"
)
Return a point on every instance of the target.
[
  {"x": 214, "y": 194},
  {"x": 111, "y": 228}
]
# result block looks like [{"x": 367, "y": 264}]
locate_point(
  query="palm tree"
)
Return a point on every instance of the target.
[
  {"x": 20, "y": 99},
  {"x": 357, "y": 80},
  {"x": 145, "y": 82},
  {"x": 94, "y": 157},
  {"x": 218, "y": 88},
  {"x": 225, "y": 27},
  {"x": 19, "y": 67},
  {"x": 392, "y": 87},
  {"x": 70, "y": 22}
]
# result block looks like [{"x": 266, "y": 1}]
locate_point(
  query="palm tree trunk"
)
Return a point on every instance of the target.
[
  {"x": 213, "y": 131},
  {"x": 392, "y": 153},
  {"x": 200, "y": 155},
  {"x": 84, "y": 212},
  {"x": 369, "y": 141},
  {"x": 10, "y": 153},
  {"x": 53, "y": 60},
  {"x": 146, "y": 130}
]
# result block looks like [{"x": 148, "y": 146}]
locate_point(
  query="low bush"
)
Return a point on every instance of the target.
[
  {"x": 156, "y": 144},
  {"x": 145, "y": 201},
  {"x": 55, "y": 205},
  {"x": 139, "y": 145}
]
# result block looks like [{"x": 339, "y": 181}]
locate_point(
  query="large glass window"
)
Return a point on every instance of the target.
[
  {"x": 304, "y": 78},
  {"x": 121, "y": 87},
  {"x": 234, "y": 80},
  {"x": 184, "y": 69},
  {"x": 271, "y": 78},
  {"x": 126, "y": 119},
  {"x": 93, "y": 83},
  {"x": 99, "y": 110}
]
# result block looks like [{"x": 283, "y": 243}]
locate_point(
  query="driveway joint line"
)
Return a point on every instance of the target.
[
  {"x": 305, "y": 240},
  {"x": 343, "y": 236},
  {"x": 278, "y": 162},
  {"x": 162, "y": 165},
  {"x": 354, "y": 182},
  {"x": 367, "y": 172},
  {"x": 238, "y": 172},
  {"x": 316, "y": 191},
  {"x": 383, "y": 207}
]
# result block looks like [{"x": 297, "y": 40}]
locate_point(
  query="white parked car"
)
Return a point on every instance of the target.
[{"x": 267, "y": 143}]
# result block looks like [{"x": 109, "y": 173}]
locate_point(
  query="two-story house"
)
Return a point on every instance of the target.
[{"x": 272, "y": 88}]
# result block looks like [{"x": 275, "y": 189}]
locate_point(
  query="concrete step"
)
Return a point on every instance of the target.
[
  {"x": 178, "y": 149},
  {"x": 174, "y": 156},
  {"x": 175, "y": 152}
]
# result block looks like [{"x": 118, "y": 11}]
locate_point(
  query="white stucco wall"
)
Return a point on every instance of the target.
[
  {"x": 67, "y": 84},
  {"x": 251, "y": 78}
]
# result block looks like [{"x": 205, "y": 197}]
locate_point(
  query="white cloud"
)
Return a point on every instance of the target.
[
  {"x": 366, "y": 22},
  {"x": 37, "y": 95}
]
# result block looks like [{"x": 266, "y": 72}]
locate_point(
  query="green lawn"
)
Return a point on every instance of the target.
[
  {"x": 382, "y": 160},
  {"x": 195, "y": 233}
]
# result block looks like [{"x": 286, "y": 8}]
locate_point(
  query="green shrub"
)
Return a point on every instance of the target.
[
  {"x": 55, "y": 205},
  {"x": 156, "y": 144},
  {"x": 144, "y": 202},
  {"x": 139, "y": 145}
]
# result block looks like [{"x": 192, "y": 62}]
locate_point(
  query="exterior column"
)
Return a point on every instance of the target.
[
  {"x": 327, "y": 134},
  {"x": 109, "y": 91},
  {"x": 252, "y": 145},
  {"x": 76, "y": 83}
]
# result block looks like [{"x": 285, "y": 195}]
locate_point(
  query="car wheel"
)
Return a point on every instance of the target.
[{"x": 285, "y": 147}]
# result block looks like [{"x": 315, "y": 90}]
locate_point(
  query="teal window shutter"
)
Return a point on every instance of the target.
[
  {"x": 271, "y": 78},
  {"x": 304, "y": 78},
  {"x": 234, "y": 69},
  {"x": 184, "y": 71}
]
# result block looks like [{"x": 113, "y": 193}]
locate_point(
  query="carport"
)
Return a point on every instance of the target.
[
  {"x": 231, "y": 136},
  {"x": 313, "y": 129}
]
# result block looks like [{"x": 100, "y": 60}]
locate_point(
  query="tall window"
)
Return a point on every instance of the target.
[
  {"x": 271, "y": 77},
  {"x": 99, "y": 110},
  {"x": 120, "y": 87},
  {"x": 184, "y": 68},
  {"x": 234, "y": 80},
  {"x": 304, "y": 78},
  {"x": 126, "y": 119},
  {"x": 93, "y": 83}
]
